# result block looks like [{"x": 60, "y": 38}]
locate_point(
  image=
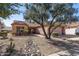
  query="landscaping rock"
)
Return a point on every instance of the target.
[{"x": 32, "y": 49}]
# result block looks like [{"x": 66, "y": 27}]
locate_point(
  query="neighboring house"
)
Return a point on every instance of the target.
[
  {"x": 8, "y": 29},
  {"x": 1, "y": 25},
  {"x": 5, "y": 31}
]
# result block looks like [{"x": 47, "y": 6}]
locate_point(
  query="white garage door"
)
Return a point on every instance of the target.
[{"x": 70, "y": 31}]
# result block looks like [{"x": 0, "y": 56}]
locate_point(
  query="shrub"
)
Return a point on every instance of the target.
[
  {"x": 3, "y": 33},
  {"x": 55, "y": 34},
  {"x": 77, "y": 33}
]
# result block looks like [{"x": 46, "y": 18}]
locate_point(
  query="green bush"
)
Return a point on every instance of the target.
[
  {"x": 77, "y": 33},
  {"x": 3, "y": 33},
  {"x": 55, "y": 34}
]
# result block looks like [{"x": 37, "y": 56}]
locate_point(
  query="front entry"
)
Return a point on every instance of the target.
[
  {"x": 20, "y": 31},
  {"x": 34, "y": 31}
]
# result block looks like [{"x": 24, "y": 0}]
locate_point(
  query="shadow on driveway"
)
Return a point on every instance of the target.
[{"x": 72, "y": 48}]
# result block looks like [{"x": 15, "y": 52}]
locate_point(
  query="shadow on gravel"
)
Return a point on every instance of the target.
[{"x": 71, "y": 47}]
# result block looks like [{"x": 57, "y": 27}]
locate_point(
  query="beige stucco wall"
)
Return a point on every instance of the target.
[
  {"x": 70, "y": 31},
  {"x": 41, "y": 31},
  {"x": 58, "y": 30},
  {"x": 14, "y": 27}
]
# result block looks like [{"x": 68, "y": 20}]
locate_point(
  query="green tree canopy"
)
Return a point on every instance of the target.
[
  {"x": 40, "y": 13},
  {"x": 7, "y": 9}
]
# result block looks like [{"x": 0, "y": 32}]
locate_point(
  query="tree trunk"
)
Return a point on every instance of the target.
[
  {"x": 49, "y": 33},
  {"x": 46, "y": 36},
  {"x": 49, "y": 29},
  {"x": 63, "y": 30},
  {"x": 49, "y": 37}
]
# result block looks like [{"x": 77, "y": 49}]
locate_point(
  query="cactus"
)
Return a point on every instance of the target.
[{"x": 10, "y": 50}]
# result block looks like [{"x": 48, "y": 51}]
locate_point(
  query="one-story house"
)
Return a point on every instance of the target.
[{"x": 24, "y": 28}]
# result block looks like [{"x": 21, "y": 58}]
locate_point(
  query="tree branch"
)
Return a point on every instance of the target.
[
  {"x": 37, "y": 21},
  {"x": 55, "y": 27}
]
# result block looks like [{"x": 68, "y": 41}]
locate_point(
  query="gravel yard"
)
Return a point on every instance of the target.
[
  {"x": 56, "y": 47},
  {"x": 44, "y": 46}
]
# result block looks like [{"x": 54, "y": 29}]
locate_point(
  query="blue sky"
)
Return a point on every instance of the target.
[
  {"x": 77, "y": 7},
  {"x": 9, "y": 21}
]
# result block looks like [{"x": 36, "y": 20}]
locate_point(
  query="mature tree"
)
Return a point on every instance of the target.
[
  {"x": 61, "y": 13},
  {"x": 7, "y": 9},
  {"x": 40, "y": 13}
]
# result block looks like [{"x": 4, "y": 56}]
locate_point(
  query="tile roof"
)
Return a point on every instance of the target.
[
  {"x": 19, "y": 22},
  {"x": 32, "y": 25}
]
